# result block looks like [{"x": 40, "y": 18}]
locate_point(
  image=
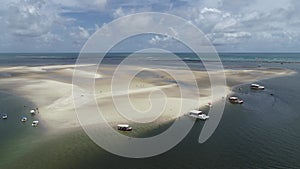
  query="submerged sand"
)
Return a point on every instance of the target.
[{"x": 50, "y": 88}]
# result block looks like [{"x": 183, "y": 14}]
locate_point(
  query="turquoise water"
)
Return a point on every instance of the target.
[{"x": 264, "y": 132}]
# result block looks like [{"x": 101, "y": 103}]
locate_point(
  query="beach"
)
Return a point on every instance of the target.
[
  {"x": 178, "y": 84},
  {"x": 49, "y": 88}
]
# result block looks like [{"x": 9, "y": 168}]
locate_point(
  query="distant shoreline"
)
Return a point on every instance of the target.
[{"x": 39, "y": 59}]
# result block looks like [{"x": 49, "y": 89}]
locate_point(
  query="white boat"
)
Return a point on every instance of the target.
[
  {"x": 124, "y": 127},
  {"x": 4, "y": 116},
  {"x": 256, "y": 86},
  {"x": 23, "y": 119},
  {"x": 35, "y": 123},
  {"x": 198, "y": 114},
  {"x": 32, "y": 112},
  {"x": 235, "y": 100},
  {"x": 209, "y": 104}
]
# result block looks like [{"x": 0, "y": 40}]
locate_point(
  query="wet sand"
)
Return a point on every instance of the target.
[{"x": 50, "y": 89}]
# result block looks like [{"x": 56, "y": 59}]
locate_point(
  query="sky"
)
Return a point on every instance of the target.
[{"x": 230, "y": 25}]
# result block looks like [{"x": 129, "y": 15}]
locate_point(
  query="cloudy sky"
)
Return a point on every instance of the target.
[{"x": 231, "y": 25}]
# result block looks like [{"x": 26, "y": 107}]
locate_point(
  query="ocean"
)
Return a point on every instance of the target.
[
  {"x": 264, "y": 132},
  {"x": 37, "y": 59}
]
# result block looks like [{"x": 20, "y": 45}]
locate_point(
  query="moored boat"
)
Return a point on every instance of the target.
[
  {"x": 124, "y": 127},
  {"x": 209, "y": 104},
  {"x": 235, "y": 100},
  {"x": 4, "y": 116},
  {"x": 23, "y": 119},
  {"x": 35, "y": 123},
  {"x": 32, "y": 112},
  {"x": 256, "y": 86},
  {"x": 198, "y": 114}
]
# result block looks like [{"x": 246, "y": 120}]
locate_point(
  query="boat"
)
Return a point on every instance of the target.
[
  {"x": 256, "y": 86},
  {"x": 4, "y": 116},
  {"x": 198, "y": 114},
  {"x": 35, "y": 123},
  {"x": 124, "y": 127},
  {"x": 235, "y": 100},
  {"x": 23, "y": 119},
  {"x": 209, "y": 104},
  {"x": 32, "y": 112}
]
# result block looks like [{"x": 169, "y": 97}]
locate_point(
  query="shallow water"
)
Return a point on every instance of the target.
[
  {"x": 16, "y": 137},
  {"x": 264, "y": 132}
]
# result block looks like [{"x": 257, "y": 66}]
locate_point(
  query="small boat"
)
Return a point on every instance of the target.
[
  {"x": 209, "y": 104},
  {"x": 4, "y": 116},
  {"x": 198, "y": 114},
  {"x": 23, "y": 119},
  {"x": 256, "y": 86},
  {"x": 235, "y": 100},
  {"x": 35, "y": 123},
  {"x": 32, "y": 112},
  {"x": 124, "y": 127}
]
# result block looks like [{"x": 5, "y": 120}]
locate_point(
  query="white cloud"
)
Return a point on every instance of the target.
[
  {"x": 284, "y": 36},
  {"x": 159, "y": 38},
  {"x": 82, "y": 5},
  {"x": 225, "y": 25},
  {"x": 266, "y": 5},
  {"x": 229, "y": 22},
  {"x": 242, "y": 23},
  {"x": 206, "y": 18},
  {"x": 79, "y": 35},
  {"x": 50, "y": 38},
  {"x": 30, "y": 17},
  {"x": 83, "y": 33},
  {"x": 118, "y": 13},
  {"x": 210, "y": 10},
  {"x": 229, "y": 38},
  {"x": 238, "y": 35}
]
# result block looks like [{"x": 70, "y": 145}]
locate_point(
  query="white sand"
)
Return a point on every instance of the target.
[{"x": 50, "y": 88}]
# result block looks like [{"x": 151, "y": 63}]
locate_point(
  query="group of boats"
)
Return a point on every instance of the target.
[
  {"x": 198, "y": 114},
  {"x": 24, "y": 118},
  {"x": 236, "y": 100}
]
